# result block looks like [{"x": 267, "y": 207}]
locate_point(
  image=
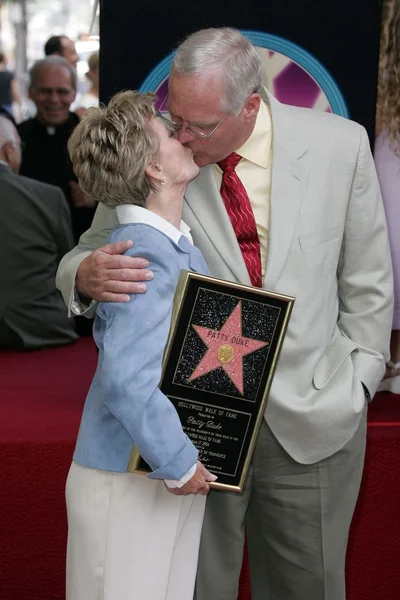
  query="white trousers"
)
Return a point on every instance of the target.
[{"x": 129, "y": 538}]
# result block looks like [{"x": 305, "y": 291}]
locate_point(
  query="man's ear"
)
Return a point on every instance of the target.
[
  {"x": 3, "y": 152},
  {"x": 7, "y": 150},
  {"x": 252, "y": 106}
]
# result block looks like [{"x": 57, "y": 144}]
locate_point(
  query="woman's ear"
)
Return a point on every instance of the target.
[{"x": 155, "y": 171}]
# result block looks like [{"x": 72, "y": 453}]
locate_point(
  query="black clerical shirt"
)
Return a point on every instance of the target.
[{"x": 45, "y": 158}]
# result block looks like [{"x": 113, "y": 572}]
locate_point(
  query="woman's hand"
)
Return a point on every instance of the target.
[
  {"x": 198, "y": 484},
  {"x": 108, "y": 276}
]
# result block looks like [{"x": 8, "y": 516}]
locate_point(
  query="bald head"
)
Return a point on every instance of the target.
[{"x": 10, "y": 144}]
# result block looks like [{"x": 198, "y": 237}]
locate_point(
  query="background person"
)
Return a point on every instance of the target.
[
  {"x": 387, "y": 160},
  {"x": 314, "y": 229},
  {"x": 130, "y": 536},
  {"x": 45, "y": 157},
  {"x": 35, "y": 232},
  {"x": 9, "y": 90},
  {"x": 61, "y": 45},
  {"x": 91, "y": 97}
]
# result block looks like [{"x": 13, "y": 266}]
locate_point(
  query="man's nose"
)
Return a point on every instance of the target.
[
  {"x": 184, "y": 136},
  {"x": 54, "y": 96}
]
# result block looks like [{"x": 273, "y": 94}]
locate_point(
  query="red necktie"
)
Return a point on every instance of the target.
[{"x": 239, "y": 209}]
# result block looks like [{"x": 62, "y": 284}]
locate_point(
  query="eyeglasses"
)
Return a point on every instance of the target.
[{"x": 191, "y": 129}]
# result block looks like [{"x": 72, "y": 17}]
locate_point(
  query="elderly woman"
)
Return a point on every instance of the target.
[{"x": 133, "y": 537}]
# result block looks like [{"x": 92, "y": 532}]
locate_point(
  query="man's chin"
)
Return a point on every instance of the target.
[{"x": 201, "y": 160}]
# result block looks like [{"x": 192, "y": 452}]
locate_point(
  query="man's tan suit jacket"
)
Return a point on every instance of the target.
[{"x": 328, "y": 248}]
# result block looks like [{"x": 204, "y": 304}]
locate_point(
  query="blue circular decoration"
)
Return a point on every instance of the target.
[
  {"x": 277, "y": 44},
  {"x": 157, "y": 75}
]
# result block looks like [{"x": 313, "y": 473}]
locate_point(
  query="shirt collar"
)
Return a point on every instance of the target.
[
  {"x": 258, "y": 147},
  {"x": 131, "y": 213},
  {"x": 4, "y": 164}
]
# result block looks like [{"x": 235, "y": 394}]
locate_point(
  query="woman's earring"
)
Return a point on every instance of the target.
[{"x": 163, "y": 180}]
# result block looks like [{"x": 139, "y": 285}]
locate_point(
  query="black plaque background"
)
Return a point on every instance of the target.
[
  {"x": 187, "y": 347},
  {"x": 212, "y": 310}
]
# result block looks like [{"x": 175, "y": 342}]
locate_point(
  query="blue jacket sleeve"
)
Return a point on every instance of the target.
[{"x": 134, "y": 338}]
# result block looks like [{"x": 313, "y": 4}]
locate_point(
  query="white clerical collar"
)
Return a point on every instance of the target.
[{"x": 131, "y": 213}]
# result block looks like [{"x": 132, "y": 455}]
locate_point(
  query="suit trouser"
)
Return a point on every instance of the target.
[
  {"x": 129, "y": 538},
  {"x": 297, "y": 520}
]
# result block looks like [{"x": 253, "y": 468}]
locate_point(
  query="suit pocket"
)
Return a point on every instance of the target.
[
  {"x": 334, "y": 356},
  {"x": 317, "y": 238}
]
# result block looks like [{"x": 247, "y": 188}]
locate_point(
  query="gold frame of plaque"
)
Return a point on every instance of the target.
[{"x": 219, "y": 361}]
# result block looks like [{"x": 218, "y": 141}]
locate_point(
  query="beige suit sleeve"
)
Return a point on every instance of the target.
[
  {"x": 365, "y": 273},
  {"x": 104, "y": 221}
]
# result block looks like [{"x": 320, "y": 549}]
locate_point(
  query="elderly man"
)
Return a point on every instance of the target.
[
  {"x": 35, "y": 232},
  {"x": 45, "y": 155},
  {"x": 314, "y": 228},
  {"x": 61, "y": 45}
]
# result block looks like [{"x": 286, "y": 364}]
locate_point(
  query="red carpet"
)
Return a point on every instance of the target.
[{"x": 41, "y": 397}]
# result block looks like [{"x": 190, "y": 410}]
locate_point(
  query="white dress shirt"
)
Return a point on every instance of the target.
[{"x": 254, "y": 171}]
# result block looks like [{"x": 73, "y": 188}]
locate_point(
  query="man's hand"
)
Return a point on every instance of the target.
[
  {"x": 106, "y": 276},
  {"x": 198, "y": 484}
]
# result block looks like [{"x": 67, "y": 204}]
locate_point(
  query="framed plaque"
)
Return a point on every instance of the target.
[{"x": 219, "y": 362}]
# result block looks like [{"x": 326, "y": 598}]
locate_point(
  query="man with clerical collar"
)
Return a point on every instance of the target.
[{"x": 45, "y": 155}]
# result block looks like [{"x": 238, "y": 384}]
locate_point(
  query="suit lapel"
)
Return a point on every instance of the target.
[
  {"x": 289, "y": 178},
  {"x": 204, "y": 200}
]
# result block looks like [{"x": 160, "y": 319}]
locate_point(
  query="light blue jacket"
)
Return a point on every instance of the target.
[{"x": 124, "y": 406}]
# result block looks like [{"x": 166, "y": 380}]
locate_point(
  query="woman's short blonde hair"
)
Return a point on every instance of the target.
[{"x": 111, "y": 148}]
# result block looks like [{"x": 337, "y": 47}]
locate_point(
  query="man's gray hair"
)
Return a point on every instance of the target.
[
  {"x": 51, "y": 61},
  {"x": 229, "y": 50}
]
